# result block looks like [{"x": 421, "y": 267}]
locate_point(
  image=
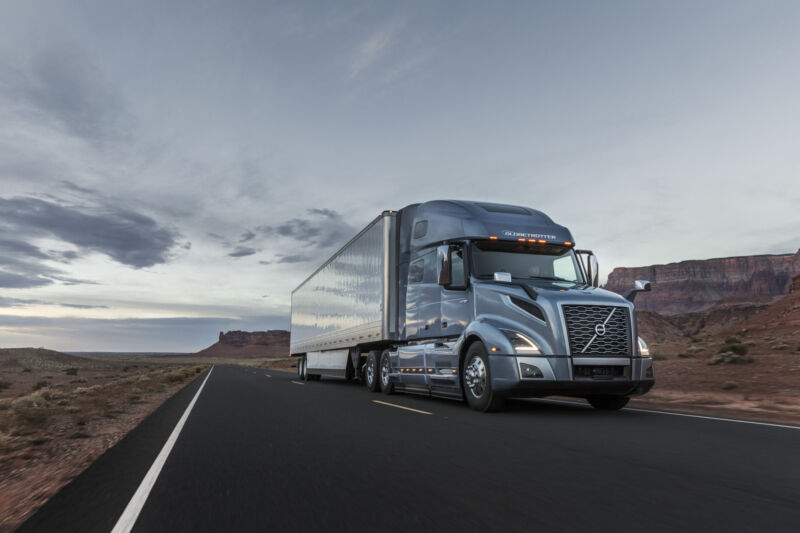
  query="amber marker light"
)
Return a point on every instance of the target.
[
  {"x": 567, "y": 243},
  {"x": 495, "y": 349},
  {"x": 521, "y": 240},
  {"x": 493, "y": 237}
]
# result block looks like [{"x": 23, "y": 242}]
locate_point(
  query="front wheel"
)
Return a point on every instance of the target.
[
  {"x": 476, "y": 381},
  {"x": 608, "y": 403}
]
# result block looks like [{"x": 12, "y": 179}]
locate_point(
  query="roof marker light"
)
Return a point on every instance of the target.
[
  {"x": 542, "y": 241},
  {"x": 521, "y": 240},
  {"x": 493, "y": 237},
  {"x": 567, "y": 243}
]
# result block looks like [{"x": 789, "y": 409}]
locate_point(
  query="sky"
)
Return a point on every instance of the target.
[{"x": 169, "y": 170}]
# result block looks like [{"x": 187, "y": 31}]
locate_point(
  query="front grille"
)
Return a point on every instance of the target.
[{"x": 582, "y": 329}]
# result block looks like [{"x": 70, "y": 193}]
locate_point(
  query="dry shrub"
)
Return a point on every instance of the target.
[
  {"x": 71, "y": 371},
  {"x": 4, "y": 385},
  {"x": 31, "y": 409},
  {"x": 41, "y": 384},
  {"x": 729, "y": 385}
]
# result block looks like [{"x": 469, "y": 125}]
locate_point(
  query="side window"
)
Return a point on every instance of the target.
[
  {"x": 416, "y": 270},
  {"x": 420, "y": 229},
  {"x": 457, "y": 277}
]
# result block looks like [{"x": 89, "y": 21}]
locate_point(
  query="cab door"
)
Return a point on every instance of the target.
[
  {"x": 456, "y": 307},
  {"x": 423, "y": 296}
]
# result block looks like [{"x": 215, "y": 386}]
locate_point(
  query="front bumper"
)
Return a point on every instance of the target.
[{"x": 572, "y": 376}]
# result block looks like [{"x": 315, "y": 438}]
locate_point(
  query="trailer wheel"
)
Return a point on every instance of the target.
[
  {"x": 371, "y": 377},
  {"x": 476, "y": 380},
  {"x": 302, "y": 369},
  {"x": 608, "y": 403},
  {"x": 387, "y": 386}
]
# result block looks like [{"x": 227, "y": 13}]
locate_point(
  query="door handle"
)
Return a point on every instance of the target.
[{"x": 444, "y": 323}]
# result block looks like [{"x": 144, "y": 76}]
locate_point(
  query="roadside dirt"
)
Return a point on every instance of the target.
[{"x": 58, "y": 413}]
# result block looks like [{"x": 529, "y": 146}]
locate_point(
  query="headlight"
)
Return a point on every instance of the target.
[
  {"x": 521, "y": 343},
  {"x": 644, "y": 351}
]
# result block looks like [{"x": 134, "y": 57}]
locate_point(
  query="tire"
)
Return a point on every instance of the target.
[
  {"x": 387, "y": 386},
  {"x": 608, "y": 403},
  {"x": 300, "y": 368},
  {"x": 371, "y": 372},
  {"x": 476, "y": 381},
  {"x": 303, "y": 369}
]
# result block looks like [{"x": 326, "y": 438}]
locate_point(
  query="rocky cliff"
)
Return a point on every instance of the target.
[
  {"x": 696, "y": 285},
  {"x": 273, "y": 343}
]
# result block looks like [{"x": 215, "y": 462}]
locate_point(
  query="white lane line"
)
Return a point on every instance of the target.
[
  {"x": 298, "y": 382},
  {"x": 267, "y": 375},
  {"x": 672, "y": 413},
  {"x": 704, "y": 417},
  {"x": 131, "y": 512},
  {"x": 402, "y": 407}
]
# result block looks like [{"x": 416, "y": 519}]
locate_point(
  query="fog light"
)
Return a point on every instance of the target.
[
  {"x": 530, "y": 371},
  {"x": 649, "y": 372}
]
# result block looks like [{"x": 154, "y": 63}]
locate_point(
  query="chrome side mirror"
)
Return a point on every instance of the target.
[
  {"x": 639, "y": 285},
  {"x": 443, "y": 264}
]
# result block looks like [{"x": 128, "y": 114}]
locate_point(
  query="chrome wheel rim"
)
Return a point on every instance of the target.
[
  {"x": 385, "y": 372},
  {"x": 371, "y": 371},
  {"x": 475, "y": 376}
]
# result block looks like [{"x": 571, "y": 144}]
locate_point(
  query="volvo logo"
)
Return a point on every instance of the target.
[{"x": 600, "y": 330}]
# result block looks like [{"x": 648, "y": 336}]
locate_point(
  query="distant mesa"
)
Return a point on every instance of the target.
[
  {"x": 249, "y": 344},
  {"x": 697, "y": 285}
]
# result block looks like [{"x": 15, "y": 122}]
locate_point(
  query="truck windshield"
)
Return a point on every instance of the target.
[{"x": 526, "y": 261}]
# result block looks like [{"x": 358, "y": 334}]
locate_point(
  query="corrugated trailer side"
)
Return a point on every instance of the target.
[{"x": 350, "y": 300}]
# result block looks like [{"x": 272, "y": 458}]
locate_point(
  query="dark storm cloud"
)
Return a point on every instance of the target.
[
  {"x": 128, "y": 237},
  {"x": 61, "y": 84},
  {"x": 242, "y": 251},
  {"x": 324, "y": 227}
]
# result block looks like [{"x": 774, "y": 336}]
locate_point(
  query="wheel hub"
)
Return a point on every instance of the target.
[
  {"x": 385, "y": 372},
  {"x": 475, "y": 376}
]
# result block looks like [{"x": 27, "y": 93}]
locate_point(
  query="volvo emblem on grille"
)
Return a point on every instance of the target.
[{"x": 600, "y": 329}]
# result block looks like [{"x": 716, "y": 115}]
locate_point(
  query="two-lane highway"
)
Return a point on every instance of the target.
[{"x": 260, "y": 450}]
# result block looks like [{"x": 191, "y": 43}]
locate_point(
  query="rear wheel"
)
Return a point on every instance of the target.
[
  {"x": 476, "y": 380},
  {"x": 608, "y": 403},
  {"x": 371, "y": 378},
  {"x": 302, "y": 368},
  {"x": 386, "y": 368}
]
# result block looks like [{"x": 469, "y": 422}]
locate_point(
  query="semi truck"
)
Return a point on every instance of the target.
[{"x": 470, "y": 300}]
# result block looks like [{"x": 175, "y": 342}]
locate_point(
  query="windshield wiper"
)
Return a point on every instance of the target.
[{"x": 551, "y": 278}]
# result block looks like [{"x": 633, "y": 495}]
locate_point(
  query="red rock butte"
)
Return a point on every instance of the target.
[{"x": 696, "y": 285}]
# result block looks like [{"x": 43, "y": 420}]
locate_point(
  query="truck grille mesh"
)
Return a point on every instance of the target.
[{"x": 582, "y": 321}]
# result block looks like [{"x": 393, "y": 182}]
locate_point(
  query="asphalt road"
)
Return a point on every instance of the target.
[{"x": 262, "y": 452}]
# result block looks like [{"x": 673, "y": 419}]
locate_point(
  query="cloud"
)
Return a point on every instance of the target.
[
  {"x": 324, "y": 227},
  {"x": 16, "y": 302},
  {"x": 242, "y": 251},
  {"x": 247, "y": 236},
  {"x": 295, "y": 258},
  {"x": 371, "y": 49},
  {"x": 60, "y": 83},
  {"x": 127, "y": 237},
  {"x": 20, "y": 302},
  {"x": 10, "y": 280}
]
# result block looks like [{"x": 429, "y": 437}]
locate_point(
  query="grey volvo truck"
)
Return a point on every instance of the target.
[{"x": 470, "y": 300}]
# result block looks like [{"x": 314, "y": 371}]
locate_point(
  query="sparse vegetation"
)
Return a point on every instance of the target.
[
  {"x": 730, "y": 358},
  {"x": 26, "y": 369},
  {"x": 71, "y": 371},
  {"x": 4, "y": 385},
  {"x": 685, "y": 355},
  {"x": 732, "y": 340},
  {"x": 729, "y": 385},
  {"x": 738, "y": 349},
  {"x": 40, "y": 384}
]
